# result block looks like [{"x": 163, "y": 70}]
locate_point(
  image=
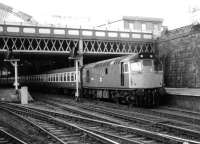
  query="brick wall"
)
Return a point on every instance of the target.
[{"x": 180, "y": 51}]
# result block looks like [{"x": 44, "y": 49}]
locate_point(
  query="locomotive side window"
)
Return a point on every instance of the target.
[
  {"x": 87, "y": 76},
  {"x": 106, "y": 71},
  {"x": 136, "y": 66},
  {"x": 122, "y": 74}
]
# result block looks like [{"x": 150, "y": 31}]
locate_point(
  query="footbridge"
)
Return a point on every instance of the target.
[{"x": 56, "y": 40}]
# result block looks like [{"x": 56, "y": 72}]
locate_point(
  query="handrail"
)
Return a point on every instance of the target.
[{"x": 52, "y": 31}]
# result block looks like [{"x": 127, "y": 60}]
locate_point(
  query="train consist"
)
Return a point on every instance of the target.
[{"x": 134, "y": 79}]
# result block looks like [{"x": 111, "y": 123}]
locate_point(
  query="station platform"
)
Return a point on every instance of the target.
[
  {"x": 188, "y": 98},
  {"x": 183, "y": 91},
  {"x": 10, "y": 95}
]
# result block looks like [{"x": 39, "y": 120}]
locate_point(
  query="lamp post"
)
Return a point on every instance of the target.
[
  {"x": 77, "y": 77},
  {"x": 14, "y": 63}
]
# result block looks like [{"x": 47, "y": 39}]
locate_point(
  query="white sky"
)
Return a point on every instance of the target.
[{"x": 174, "y": 12}]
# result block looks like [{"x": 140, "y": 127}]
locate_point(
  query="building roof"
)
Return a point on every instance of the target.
[{"x": 146, "y": 19}]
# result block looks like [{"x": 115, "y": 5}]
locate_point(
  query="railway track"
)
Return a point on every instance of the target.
[
  {"x": 179, "y": 114},
  {"x": 51, "y": 139},
  {"x": 118, "y": 132},
  {"x": 157, "y": 124},
  {"x": 7, "y": 138},
  {"x": 163, "y": 113},
  {"x": 65, "y": 131}
]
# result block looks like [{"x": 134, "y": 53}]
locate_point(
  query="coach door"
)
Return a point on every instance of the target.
[{"x": 122, "y": 74}]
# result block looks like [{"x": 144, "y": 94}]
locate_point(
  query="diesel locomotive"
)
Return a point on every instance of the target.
[{"x": 134, "y": 79}]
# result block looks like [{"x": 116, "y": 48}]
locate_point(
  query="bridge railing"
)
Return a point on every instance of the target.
[{"x": 65, "y": 32}]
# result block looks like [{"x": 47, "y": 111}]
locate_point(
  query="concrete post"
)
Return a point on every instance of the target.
[
  {"x": 16, "y": 84},
  {"x": 77, "y": 78},
  {"x": 24, "y": 95},
  {"x": 14, "y": 63},
  {"x": 81, "y": 52}
]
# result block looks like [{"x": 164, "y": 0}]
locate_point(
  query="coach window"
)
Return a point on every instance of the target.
[
  {"x": 54, "y": 77},
  {"x": 62, "y": 77},
  {"x": 72, "y": 77},
  {"x": 51, "y": 77},
  {"x": 68, "y": 77},
  {"x": 59, "y": 77},
  {"x": 65, "y": 77}
]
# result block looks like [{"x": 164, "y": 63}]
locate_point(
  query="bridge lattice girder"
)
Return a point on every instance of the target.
[
  {"x": 51, "y": 45},
  {"x": 38, "y": 39}
]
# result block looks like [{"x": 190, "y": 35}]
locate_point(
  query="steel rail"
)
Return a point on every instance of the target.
[
  {"x": 134, "y": 131},
  {"x": 6, "y": 137},
  {"x": 91, "y": 136}
]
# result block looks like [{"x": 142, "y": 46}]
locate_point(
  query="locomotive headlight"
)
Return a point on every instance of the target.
[
  {"x": 141, "y": 56},
  {"x": 151, "y": 56}
]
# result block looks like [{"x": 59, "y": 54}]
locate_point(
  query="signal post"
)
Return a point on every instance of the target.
[{"x": 78, "y": 58}]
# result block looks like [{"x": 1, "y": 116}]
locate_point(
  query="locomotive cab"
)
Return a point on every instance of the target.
[{"x": 145, "y": 72}]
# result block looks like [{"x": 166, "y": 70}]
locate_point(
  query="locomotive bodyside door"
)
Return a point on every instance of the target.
[{"x": 122, "y": 73}]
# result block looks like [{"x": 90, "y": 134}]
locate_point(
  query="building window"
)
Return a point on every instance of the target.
[
  {"x": 137, "y": 27},
  {"x": 131, "y": 26},
  {"x": 144, "y": 28},
  {"x": 149, "y": 27},
  {"x": 126, "y": 25},
  {"x": 156, "y": 27}
]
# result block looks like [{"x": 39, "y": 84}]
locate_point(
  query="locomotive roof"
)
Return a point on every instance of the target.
[
  {"x": 111, "y": 61},
  {"x": 108, "y": 62},
  {"x": 119, "y": 59}
]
